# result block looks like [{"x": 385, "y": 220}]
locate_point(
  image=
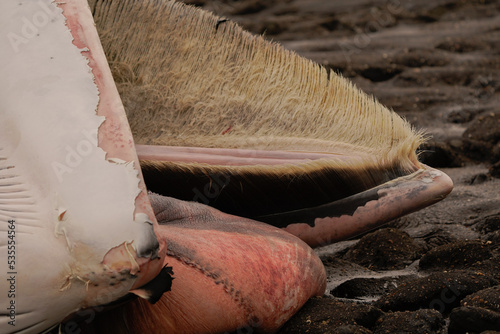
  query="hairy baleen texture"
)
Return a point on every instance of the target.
[{"x": 189, "y": 79}]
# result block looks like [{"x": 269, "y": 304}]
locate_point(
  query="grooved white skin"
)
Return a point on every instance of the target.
[{"x": 50, "y": 164}]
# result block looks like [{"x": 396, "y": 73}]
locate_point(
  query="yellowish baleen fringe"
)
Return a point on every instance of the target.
[{"x": 188, "y": 81}]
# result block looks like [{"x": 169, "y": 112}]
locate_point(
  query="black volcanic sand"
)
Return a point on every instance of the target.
[{"x": 437, "y": 63}]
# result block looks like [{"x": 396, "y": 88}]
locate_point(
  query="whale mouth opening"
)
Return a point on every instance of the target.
[
  {"x": 320, "y": 197},
  {"x": 258, "y": 184},
  {"x": 233, "y": 121}
]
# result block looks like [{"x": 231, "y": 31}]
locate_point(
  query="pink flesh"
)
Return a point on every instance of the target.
[
  {"x": 396, "y": 198},
  {"x": 230, "y": 157},
  {"x": 229, "y": 272},
  {"x": 114, "y": 135}
]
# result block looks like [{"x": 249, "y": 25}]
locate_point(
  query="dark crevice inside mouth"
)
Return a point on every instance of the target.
[{"x": 261, "y": 192}]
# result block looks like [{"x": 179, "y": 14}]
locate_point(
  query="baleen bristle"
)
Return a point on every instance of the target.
[{"x": 186, "y": 80}]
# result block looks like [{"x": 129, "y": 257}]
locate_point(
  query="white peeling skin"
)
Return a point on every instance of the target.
[{"x": 70, "y": 205}]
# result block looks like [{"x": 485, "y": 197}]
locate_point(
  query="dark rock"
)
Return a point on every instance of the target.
[
  {"x": 482, "y": 135},
  {"x": 380, "y": 74},
  {"x": 434, "y": 236},
  {"x": 323, "y": 315},
  {"x": 384, "y": 249},
  {"x": 488, "y": 298},
  {"x": 439, "y": 155},
  {"x": 419, "y": 58},
  {"x": 488, "y": 224},
  {"x": 479, "y": 178},
  {"x": 490, "y": 266},
  {"x": 440, "y": 291},
  {"x": 470, "y": 319},
  {"x": 417, "y": 322},
  {"x": 461, "y": 116},
  {"x": 478, "y": 150},
  {"x": 479, "y": 312},
  {"x": 368, "y": 287},
  {"x": 461, "y": 254},
  {"x": 494, "y": 238},
  {"x": 250, "y": 7},
  {"x": 272, "y": 27},
  {"x": 331, "y": 24}
]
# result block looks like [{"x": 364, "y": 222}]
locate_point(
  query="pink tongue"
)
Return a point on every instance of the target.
[{"x": 231, "y": 271}]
